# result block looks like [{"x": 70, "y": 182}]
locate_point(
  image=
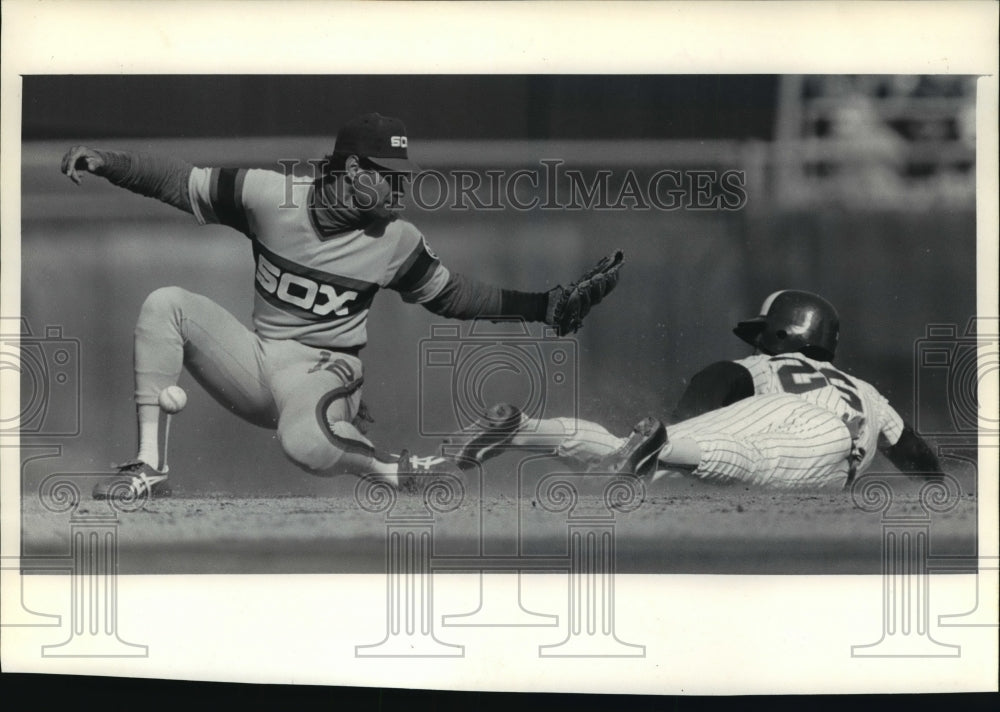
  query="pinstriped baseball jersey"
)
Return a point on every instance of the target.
[
  {"x": 313, "y": 288},
  {"x": 790, "y": 433},
  {"x": 827, "y": 387}
]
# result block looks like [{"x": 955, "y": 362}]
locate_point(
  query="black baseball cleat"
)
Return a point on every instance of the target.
[
  {"x": 491, "y": 434},
  {"x": 135, "y": 480},
  {"x": 638, "y": 455}
]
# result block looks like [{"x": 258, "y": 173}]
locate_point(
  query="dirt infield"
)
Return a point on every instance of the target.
[{"x": 679, "y": 527}]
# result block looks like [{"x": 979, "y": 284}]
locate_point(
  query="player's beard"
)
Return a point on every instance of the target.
[
  {"x": 335, "y": 211},
  {"x": 374, "y": 198},
  {"x": 340, "y": 200},
  {"x": 381, "y": 211}
]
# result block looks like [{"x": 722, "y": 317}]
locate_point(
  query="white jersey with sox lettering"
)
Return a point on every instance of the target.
[{"x": 313, "y": 288}]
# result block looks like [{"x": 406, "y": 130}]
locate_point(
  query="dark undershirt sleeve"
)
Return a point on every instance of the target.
[
  {"x": 162, "y": 177},
  {"x": 465, "y": 298},
  {"x": 715, "y": 386},
  {"x": 911, "y": 453}
]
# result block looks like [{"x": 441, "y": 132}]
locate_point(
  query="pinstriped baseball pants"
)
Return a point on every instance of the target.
[{"x": 775, "y": 440}]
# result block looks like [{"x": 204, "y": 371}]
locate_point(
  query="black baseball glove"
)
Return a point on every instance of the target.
[{"x": 569, "y": 305}]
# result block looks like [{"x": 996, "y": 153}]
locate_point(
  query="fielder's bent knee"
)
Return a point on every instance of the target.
[
  {"x": 161, "y": 313},
  {"x": 307, "y": 448},
  {"x": 164, "y": 299}
]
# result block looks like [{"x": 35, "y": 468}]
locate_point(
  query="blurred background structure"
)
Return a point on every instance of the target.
[
  {"x": 861, "y": 188},
  {"x": 876, "y": 141}
]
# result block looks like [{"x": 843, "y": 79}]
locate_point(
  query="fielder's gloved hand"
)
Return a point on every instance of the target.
[
  {"x": 569, "y": 305},
  {"x": 81, "y": 158}
]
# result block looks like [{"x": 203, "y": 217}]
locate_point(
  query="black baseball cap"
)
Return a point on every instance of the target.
[{"x": 380, "y": 139}]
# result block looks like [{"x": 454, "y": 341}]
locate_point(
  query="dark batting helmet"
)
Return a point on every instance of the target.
[{"x": 793, "y": 321}]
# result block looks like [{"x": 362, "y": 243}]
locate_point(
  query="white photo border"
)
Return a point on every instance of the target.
[{"x": 701, "y": 637}]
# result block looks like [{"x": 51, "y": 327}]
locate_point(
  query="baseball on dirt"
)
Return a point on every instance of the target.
[{"x": 173, "y": 399}]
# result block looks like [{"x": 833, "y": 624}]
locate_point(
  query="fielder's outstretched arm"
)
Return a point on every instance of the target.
[
  {"x": 452, "y": 295},
  {"x": 162, "y": 177},
  {"x": 456, "y": 296},
  {"x": 466, "y": 298}
]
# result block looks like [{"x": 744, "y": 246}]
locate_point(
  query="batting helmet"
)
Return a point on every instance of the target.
[{"x": 792, "y": 321}]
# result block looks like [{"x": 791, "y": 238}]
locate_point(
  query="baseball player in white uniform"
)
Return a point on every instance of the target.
[
  {"x": 784, "y": 417},
  {"x": 322, "y": 249}
]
